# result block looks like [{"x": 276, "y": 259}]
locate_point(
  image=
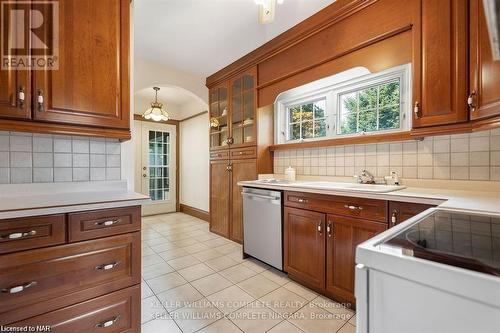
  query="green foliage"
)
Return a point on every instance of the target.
[
  {"x": 307, "y": 121},
  {"x": 359, "y": 109}
]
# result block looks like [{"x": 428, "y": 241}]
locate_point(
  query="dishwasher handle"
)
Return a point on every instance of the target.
[{"x": 260, "y": 196}]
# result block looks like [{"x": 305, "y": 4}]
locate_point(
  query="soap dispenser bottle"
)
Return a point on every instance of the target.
[{"x": 290, "y": 174}]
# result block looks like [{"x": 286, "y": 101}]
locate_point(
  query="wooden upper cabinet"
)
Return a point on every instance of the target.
[
  {"x": 484, "y": 71},
  {"x": 243, "y": 109},
  {"x": 219, "y": 116},
  {"x": 241, "y": 170},
  {"x": 14, "y": 82},
  {"x": 91, "y": 86},
  {"x": 440, "y": 66},
  {"x": 13, "y": 85},
  {"x": 342, "y": 236},
  {"x": 219, "y": 197},
  {"x": 304, "y": 246}
]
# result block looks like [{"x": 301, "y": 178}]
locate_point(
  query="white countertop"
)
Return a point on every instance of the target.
[
  {"x": 459, "y": 199},
  {"x": 40, "y": 199}
]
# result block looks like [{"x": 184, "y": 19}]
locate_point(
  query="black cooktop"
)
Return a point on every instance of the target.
[{"x": 462, "y": 240}]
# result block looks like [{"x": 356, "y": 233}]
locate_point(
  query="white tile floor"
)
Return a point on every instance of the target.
[{"x": 196, "y": 281}]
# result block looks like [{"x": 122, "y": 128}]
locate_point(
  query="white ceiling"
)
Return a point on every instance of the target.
[{"x": 203, "y": 36}]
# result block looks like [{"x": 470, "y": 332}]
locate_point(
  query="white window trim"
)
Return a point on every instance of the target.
[{"x": 324, "y": 88}]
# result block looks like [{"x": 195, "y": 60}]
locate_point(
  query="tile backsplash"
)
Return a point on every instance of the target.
[
  {"x": 474, "y": 156},
  {"x": 43, "y": 158}
]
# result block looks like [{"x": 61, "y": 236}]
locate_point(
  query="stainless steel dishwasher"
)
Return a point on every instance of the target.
[{"x": 262, "y": 225}]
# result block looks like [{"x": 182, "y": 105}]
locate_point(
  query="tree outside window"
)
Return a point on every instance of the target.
[
  {"x": 370, "y": 109},
  {"x": 307, "y": 121}
]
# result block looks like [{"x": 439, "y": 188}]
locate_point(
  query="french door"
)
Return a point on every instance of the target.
[{"x": 158, "y": 171}]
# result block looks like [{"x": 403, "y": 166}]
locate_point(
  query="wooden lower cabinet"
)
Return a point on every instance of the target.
[
  {"x": 343, "y": 235},
  {"x": 402, "y": 211},
  {"x": 304, "y": 242},
  {"x": 118, "y": 312},
  {"x": 57, "y": 271},
  {"x": 320, "y": 246},
  {"x": 226, "y": 202},
  {"x": 240, "y": 170},
  {"x": 219, "y": 197}
]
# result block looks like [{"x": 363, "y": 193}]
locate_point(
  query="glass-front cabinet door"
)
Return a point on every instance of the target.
[
  {"x": 219, "y": 117},
  {"x": 243, "y": 100}
]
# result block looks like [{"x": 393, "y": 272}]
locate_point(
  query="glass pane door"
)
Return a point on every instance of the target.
[
  {"x": 159, "y": 165},
  {"x": 243, "y": 109},
  {"x": 219, "y": 131}
]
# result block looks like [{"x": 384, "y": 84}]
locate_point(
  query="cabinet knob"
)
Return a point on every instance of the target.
[
  {"x": 470, "y": 101},
  {"x": 320, "y": 229},
  {"x": 394, "y": 218},
  {"x": 416, "y": 110},
  {"x": 329, "y": 229},
  {"x": 21, "y": 97},
  {"x": 40, "y": 100}
]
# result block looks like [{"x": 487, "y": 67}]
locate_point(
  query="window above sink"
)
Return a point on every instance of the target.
[{"x": 352, "y": 103}]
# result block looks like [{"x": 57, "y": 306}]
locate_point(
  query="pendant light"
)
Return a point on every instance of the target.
[{"x": 156, "y": 111}]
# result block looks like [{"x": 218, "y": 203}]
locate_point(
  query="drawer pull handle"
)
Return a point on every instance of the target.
[
  {"x": 18, "y": 289},
  {"x": 18, "y": 235},
  {"x": 107, "y": 223},
  {"x": 302, "y": 200},
  {"x": 352, "y": 207},
  {"x": 108, "y": 323},
  {"x": 107, "y": 267}
]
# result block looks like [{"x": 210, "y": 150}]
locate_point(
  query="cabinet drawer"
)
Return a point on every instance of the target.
[
  {"x": 248, "y": 152},
  {"x": 112, "y": 313},
  {"x": 219, "y": 155},
  {"x": 370, "y": 209},
  {"x": 102, "y": 223},
  {"x": 32, "y": 232},
  {"x": 39, "y": 275}
]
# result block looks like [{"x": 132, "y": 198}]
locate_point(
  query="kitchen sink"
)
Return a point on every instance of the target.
[{"x": 338, "y": 186}]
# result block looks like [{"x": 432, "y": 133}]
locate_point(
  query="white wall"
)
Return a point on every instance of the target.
[
  {"x": 194, "y": 162},
  {"x": 127, "y": 148}
]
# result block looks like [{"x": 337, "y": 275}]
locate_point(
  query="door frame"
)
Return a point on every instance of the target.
[{"x": 139, "y": 120}]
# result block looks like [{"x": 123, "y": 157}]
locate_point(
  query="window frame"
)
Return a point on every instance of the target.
[
  {"x": 307, "y": 101},
  {"x": 331, "y": 92}
]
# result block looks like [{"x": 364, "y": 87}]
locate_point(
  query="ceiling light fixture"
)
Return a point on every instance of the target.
[
  {"x": 156, "y": 112},
  {"x": 267, "y": 10}
]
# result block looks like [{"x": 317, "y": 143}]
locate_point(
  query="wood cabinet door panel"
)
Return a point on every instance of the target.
[
  {"x": 91, "y": 86},
  {"x": 402, "y": 211},
  {"x": 219, "y": 197},
  {"x": 241, "y": 170},
  {"x": 344, "y": 235},
  {"x": 32, "y": 232},
  {"x": 12, "y": 80},
  {"x": 304, "y": 246},
  {"x": 484, "y": 71},
  {"x": 440, "y": 75},
  {"x": 38, "y": 275},
  {"x": 119, "y": 310}
]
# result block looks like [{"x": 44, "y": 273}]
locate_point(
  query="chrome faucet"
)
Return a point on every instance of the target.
[{"x": 365, "y": 178}]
